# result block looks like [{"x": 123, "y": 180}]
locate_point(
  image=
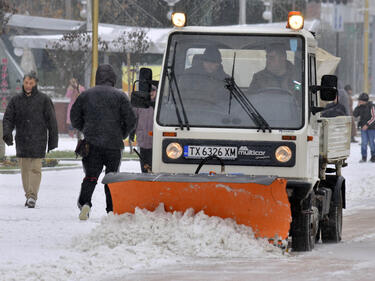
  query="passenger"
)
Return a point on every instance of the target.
[
  {"x": 278, "y": 73},
  {"x": 205, "y": 79}
]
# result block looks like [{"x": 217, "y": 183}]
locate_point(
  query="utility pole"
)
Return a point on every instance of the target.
[
  {"x": 365, "y": 48},
  {"x": 95, "y": 20},
  {"x": 68, "y": 9},
  {"x": 242, "y": 12}
]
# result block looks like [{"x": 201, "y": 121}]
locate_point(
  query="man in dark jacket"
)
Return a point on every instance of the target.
[
  {"x": 32, "y": 114},
  {"x": 334, "y": 109},
  {"x": 366, "y": 112},
  {"x": 105, "y": 117}
]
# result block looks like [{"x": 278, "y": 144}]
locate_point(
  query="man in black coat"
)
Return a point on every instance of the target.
[
  {"x": 32, "y": 114},
  {"x": 334, "y": 109},
  {"x": 104, "y": 115},
  {"x": 366, "y": 113}
]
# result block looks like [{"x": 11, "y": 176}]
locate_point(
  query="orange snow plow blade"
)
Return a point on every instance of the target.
[{"x": 259, "y": 202}]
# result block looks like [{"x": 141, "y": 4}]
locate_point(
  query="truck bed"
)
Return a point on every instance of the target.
[{"x": 335, "y": 138}]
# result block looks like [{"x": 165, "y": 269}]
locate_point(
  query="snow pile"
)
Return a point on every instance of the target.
[
  {"x": 162, "y": 233},
  {"x": 128, "y": 242}
]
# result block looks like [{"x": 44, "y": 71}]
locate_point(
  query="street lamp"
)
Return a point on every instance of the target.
[
  {"x": 267, "y": 14},
  {"x": 83, "y": 12},
  {"x": 171, "y": 4}
]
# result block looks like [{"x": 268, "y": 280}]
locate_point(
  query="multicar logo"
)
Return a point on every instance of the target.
[{"x": 244, "y": 150}]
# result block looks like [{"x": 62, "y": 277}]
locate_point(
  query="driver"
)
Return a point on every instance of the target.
[{"x": 278, "y": 73}]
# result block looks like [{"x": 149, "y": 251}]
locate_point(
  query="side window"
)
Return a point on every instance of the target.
[{"x": 312, "y": 79}]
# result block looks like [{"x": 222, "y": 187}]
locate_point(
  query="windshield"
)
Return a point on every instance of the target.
[{"x": 267, "y": 69}]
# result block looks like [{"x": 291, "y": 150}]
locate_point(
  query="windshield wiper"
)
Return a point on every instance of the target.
[
  {"x": 172, "y": 79},
  {"x": 245, "y": 103}
]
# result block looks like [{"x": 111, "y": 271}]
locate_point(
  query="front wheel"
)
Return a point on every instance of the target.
[
  {"x": 303, "y": 238},
  {"x": 331, "y": 226},
  {"x": 305, "y": 226}
]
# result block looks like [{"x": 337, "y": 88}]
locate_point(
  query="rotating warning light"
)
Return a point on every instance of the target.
[
  {"x": 179, "y": 19},
  {"x": 295, "y": 20}
]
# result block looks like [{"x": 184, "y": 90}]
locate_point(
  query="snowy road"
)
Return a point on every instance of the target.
[
  {"x": 353, "y": 259},
  {"x": 50, "y": 243}
]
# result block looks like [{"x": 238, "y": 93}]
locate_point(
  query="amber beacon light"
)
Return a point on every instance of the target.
[
  {"x": 179, "y": 19},
  {"x": 295, "y": 20}
]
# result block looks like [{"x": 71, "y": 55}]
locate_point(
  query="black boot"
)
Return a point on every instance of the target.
[
  {"x": 372, "y": 159},
  {"x": 364, "y": 159}
]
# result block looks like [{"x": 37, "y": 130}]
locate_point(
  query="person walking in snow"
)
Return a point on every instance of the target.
[
  {"x": 349, "y": 91},
  {"x": 72, "y": 92},
  {"x": 145, "y": 124},
  {"x": 366, "y": 113},
  {"x": 33, "y": 116},
  {"x": 105, "y": 117}
]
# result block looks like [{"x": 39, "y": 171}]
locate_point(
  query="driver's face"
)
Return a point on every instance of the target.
[
  {"x": 210, "y": 67},
  {"x": 275, "y": 62}
]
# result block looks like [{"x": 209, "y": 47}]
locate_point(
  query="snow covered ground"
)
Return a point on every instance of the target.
[{"x": 50, "y": 243}]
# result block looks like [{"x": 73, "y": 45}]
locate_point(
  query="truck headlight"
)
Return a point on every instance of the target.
[
  {"x": 174, "y": 150},
  {"x": 283, "y": 153}
]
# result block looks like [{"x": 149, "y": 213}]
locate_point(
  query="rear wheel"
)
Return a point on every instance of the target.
[{"x": 331, "y": 226}]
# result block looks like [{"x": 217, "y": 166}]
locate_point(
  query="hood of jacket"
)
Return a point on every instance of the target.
[{"x": 105, "y": 75}]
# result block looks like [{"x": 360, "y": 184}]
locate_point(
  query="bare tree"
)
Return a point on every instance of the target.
[
  {"x": 71, "y": 55},
  {"x": 6, "y": 10},
  {"x": 132, "y": 44}
]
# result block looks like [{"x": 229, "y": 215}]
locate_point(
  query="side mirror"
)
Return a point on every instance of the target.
[
  {"x": 328, "y": 87},
  {"x": 142, "y": 98}
]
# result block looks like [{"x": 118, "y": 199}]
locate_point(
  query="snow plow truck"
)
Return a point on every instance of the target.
[{"x": 261, "y": 155}]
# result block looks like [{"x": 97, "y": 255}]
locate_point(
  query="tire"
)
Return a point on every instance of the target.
[
  {"x": 303, "y": 238},
  {"x": 331, "y": 226},
  {"x": 317, "y": 236}
]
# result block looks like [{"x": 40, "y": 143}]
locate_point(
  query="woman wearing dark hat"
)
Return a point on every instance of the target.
[{"x": 366, "y": 113}]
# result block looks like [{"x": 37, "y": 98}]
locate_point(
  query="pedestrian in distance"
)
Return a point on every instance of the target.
[
  {"x": 31, "y": 113},
  {"x": 145, "y": 118},
  {"x": 349, "y": 91},
  {"x": 72, "y": 93},
  {"x": 366, "y": 113},
  {"x": 105, "y": 117},
  {"x": 334, "y": 109}
]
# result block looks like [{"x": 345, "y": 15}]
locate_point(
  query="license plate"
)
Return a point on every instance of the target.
[{"x": 200, "y": 151}]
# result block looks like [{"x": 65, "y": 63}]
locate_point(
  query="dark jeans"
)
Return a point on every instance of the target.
[
  {"x": 146, "y": 154},
  {"x": 93, "y": 166},
  {"x": 368, "y": 137}
]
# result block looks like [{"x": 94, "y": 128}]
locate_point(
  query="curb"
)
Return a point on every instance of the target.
[{"x": 16, "y": 171}]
